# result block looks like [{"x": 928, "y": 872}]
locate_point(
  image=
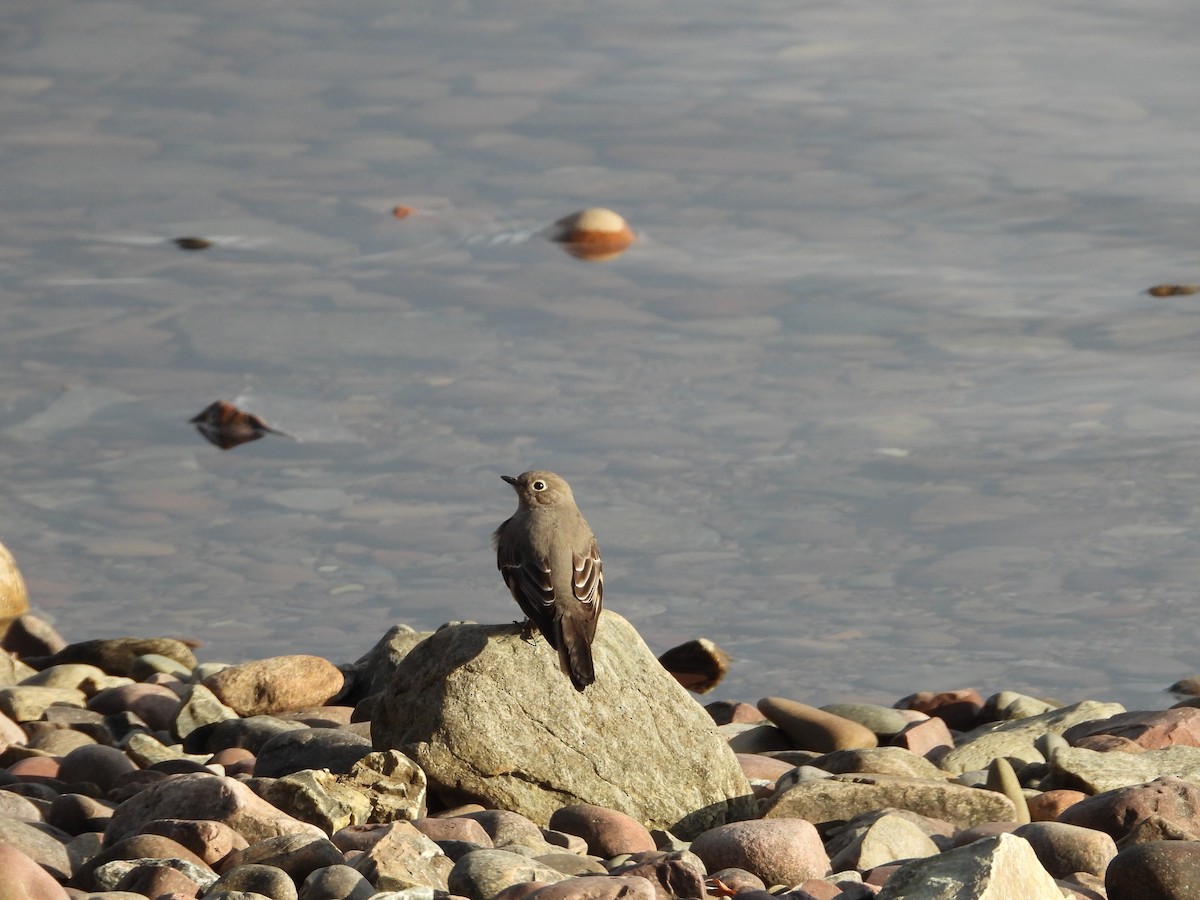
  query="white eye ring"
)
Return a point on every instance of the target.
[{"x": 539, "y": 485}]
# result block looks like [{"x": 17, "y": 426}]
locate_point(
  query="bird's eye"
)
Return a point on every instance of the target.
[{"x": 539, "y": 485}]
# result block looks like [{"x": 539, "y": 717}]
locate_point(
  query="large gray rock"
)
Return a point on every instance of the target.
[
  {"x": 490, "y": 719},
  {"x": 373, "y": 671},
  {"x": 996, "y": 868}
]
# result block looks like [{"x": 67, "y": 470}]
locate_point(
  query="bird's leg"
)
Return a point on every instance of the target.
[{"x": 528, "y": 630}]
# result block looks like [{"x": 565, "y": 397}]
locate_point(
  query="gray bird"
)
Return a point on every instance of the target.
[{"x": 551, "y": 564}]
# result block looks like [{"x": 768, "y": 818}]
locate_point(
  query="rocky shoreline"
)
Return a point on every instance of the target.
[{"x": 461, "y": 763}]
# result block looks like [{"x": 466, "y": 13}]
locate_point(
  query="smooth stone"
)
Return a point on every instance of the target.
[
  {"x": 1015, "y": 739},
  {"x": 250, "y": 734},
  {"x": 61, "y": 741},
  {"x": 21, "y": 878},
  {"x": 336, "y": 881},
  {"x": 811, "y": 729},
  {"x": 754, "y": 738},
  {"x": 1049, "y": 805},
  {"x": 842, "y": 797},
  {"x": 607, "y": 831},
  {"x": 759, "y": 768},
  {"x": 28, "y": 704},
  {"x": 958, "y": 709},
  {"x": 276, "y": 684},
  {"x": 1116, "y": 812},
  {"x": 374, "y": 670},
  {"x": 155, "y": 878},
  {"x": 77, "y": 813},
  {"x": 615, "y": 887},
  {"x": 883, "y": 721},
  {"x": 134, "y": 847},
  {"x": 205, "y": 797},
  {"x": 888, "y": 838},
  {"x": 297, "y": 855},
  {"x": 45, "y": 845},
  {"x": 726, "y": 712},
  {"x": 310, "y": 748},
  {"x": 1002, "y": 779},
  {"x": 149, "y": 664},
  {"x": 676, "y": 874},
  {"x": 198, "y": 708},
  {"x": 571, "y": 863},
  {"x": 1064, "y": 849},
  {"x": 31, "y": 636},
  {"x": 993, "y": 868},
  {"x": 456, "y": 828},
  {"x": 14, "y": 806},
  {"x": 484, "y": 873},
  {"x": 79, "y": 676},
  {"x": 1150, "y": 730},
  {"x": 116, "y": 656},
  {"x": 878, "y": 761},
  {"x": 507, "y": 828},
  {"x": 255, "y": 878},
  {"x": 779, "y": 851},
  {"x": 1162, "y": 870},
  {"x": 211, "y": 841},
  {"x": 1010, "y": 705}
]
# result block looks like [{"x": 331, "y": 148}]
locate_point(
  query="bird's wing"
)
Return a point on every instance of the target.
[
  {"x": 588, "y": 584},
  {"x": 530, "y": 582}
]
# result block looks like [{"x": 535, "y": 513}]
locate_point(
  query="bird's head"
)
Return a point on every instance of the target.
[{"x": 539, "y": 489}]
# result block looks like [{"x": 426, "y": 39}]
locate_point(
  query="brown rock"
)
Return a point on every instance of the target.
[
  {"x": 23, "y": 879},
  {"x": 404, "y": 858},
  {"x": 456, "y": 828},
  {"x": 930, "y": 738},
  {"x": 779, "y": 851},
  {"x": 606, "y": 831},
  {"x": 205, "y": 797},
  {"x": 1151, "y": 730},
  {"x": 298, "y": 855},
  {"x": 1164, "y": 870},
  {"x": 613, "y": 887},
  {"x": 116, "y": 656},
  {"x": 814, "y": 729},
  {"x": 137, "y": 846},
  {"x": 158, "y": 881},
  {"x": 959, "y": 709},
  {"x": 97, "y": 764},
  {"x": 210, "y": 841},
  {"x": 757, "y": 767},
  {"x": 278, "y": 684},
  {"x": 724, "y": 712},
  {"x": 1063, "y": 849},
  {"x": 1048, "y": 806},
  {"x": 698, "y": 665},
  {"x": 1108, "y": 743},
  {"x": 1116, "y": 812},
  {"x": 30, "y": 636},
  {"x": 154, "y": 704},
  {"x": 1156, "y": 828}
]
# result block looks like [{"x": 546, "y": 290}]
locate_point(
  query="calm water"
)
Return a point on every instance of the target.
[{"x": 877, "y": 402}]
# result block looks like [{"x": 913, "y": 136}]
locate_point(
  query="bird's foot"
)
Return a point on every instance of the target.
[{"x": 528, "y": 630}]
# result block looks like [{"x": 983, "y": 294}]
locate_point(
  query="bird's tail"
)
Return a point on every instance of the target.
[{"x": 575, "y": 653}]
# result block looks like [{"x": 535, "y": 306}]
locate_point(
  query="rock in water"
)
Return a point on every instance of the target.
[{"x": 491, "y": 720}]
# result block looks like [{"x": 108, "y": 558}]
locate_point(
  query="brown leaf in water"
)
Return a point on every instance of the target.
[
  {"x": 192, "y": 243},
  {"x": 1172, "y": 290}
]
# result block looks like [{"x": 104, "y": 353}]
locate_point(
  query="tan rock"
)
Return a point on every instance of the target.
[
  {"x": 1003, "y": 867},
  {"x": 814, "y": 729},
  {"x": 277, "y": 684}
]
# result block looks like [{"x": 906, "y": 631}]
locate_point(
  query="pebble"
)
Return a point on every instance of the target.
[{"x": 307, "y": 809}]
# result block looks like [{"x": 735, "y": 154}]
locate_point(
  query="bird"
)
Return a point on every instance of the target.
[{"x": 551, "y": 563}]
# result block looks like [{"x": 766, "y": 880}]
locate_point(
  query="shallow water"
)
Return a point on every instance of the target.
[{"x": 877, "y": 401}]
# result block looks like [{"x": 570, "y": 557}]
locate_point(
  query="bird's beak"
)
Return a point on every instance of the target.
[{"x": 510, "y": 479}]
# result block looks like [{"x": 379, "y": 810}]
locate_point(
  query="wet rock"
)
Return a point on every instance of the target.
[
  {"x": 812, "y": 729},
  {"x": 310, "y": 748},
  {"x": 1015, "y": 739},
  {"x": 116, "y": 656},
  {"x": 606, "y": 831},
  {"x": 338, "y": 881},
  {"x": 1115, "y": 812},
  {"x": 1092, "y": 772},
  {"x": 992, "y": 868},
  {"x": 205, "y": 797},
  {"x": 264, "y": 880},
  {"x": 464, "y": 705},
  {"x": 842, "y": 797},
  {"x": 484, "y": 873},
  {"x": 779, "y": 851},
  {"x": 404, "y": 858},
  {"x": 277, "y": 684},
  {"x": 1063, "y": 849},
  {"x": 1164, "y": 870}
]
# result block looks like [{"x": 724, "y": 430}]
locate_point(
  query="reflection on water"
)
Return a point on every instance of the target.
[{"x": 877, "y": 401}]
